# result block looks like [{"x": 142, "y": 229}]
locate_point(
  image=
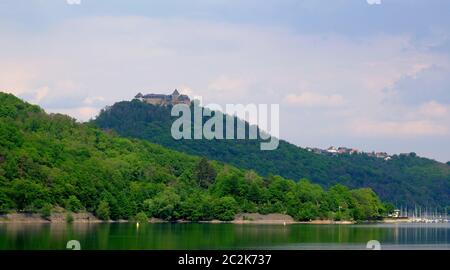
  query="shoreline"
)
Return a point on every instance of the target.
[
  {"x": 60, "y": 217},
  {"x": 240, "y": 219},
  {"x": 89, "y": 218}
]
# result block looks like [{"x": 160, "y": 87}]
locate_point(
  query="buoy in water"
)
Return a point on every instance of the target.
[{"x": 137, "y": 225}]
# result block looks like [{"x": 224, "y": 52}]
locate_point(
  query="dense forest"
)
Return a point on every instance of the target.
[
  {"x": 406, "y": 179},
  {"x": 49, "y": 160}
]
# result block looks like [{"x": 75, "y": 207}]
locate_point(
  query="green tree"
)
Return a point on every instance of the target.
[
  {"x": 367, "y": 205},
  {"x": 340, "y": 201},
  {"x": 6, "y": 204},
  {"x": 308, "y": 211},
  {"x": 388, "y": 208},
  {"x": 205, "y": 172},
  {"x": 141, "y": 217},
  {"x": 46, "y": 211},
  {"x": 164, "y": 205},
  {"x": 28, "y": 195},
  {"x": 103, "y": 211},
  {"x": 73, "y": 204},
  {"x": 227, "y": 183},
  {"x": 278, "y": 187},
  {"x": 225, "y": 208},
  {"x": 308, "y": 192}
]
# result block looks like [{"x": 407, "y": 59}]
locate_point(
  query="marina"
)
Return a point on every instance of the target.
[{"x": 418, "y": 215}]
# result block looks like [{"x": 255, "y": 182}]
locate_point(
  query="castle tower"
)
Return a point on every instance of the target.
[
  {"x": 175, "y": 96},
  {"x": 139, "y": 96}
]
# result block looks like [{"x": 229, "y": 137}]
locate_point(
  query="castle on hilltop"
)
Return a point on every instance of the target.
[{"x": 164, "y": 100}]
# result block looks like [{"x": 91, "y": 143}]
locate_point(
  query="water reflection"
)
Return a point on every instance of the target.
[{"x": 223, "y": 236}]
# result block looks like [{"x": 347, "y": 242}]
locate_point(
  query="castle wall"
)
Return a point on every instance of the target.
[
  {"x": 155, "y": 101},
  {"x": 164, "y": 99},
  {"x": 161, "y": 101},
  {"x": 187, "y": 102}
]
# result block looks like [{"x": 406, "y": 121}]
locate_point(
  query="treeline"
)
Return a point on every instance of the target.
[
  {"x": 51, "y": 160},
  {"x": 404, "y": 180}
]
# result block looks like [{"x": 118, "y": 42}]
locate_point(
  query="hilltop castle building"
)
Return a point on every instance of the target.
[{"x": 164, "y": 100}]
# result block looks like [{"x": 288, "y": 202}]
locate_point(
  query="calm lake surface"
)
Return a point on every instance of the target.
[{"x": 223, "y": 236}]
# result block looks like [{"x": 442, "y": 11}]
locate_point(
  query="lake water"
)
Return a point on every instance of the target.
[{"x": 222, "y": 236}]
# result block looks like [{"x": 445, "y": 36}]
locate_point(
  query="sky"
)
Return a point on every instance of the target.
[{"x": 366, "y": 74}]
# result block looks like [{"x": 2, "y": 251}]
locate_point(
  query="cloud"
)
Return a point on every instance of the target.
[
  {"x": 229, "y": 88},
  {"x": 81, "y": 113},
  {"x": 428, "y": 83},
  {"x": 41, "y": 93},
  {"x": 310, "y": 99},
  {"x": 434, "y": 109},
  {"x": 186, "y": 90},
  {"x": 93, "y": 100},
  {"x": 398, "y": 128}
]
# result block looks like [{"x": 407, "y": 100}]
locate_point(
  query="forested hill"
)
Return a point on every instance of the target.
[
  {"x": 49, "y": 161},
  {"x": 404, "y": 180}
]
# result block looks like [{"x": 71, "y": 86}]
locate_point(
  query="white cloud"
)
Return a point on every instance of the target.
[
  {"x": 15, "y": 78},
  {"x": 93, "y": 100},
  {"x": 41, "y": 93},
  {"x": 229, "y": 88},
  {"x": 80, "y": 113},
  {"x": 310, "y": 99},
  {"x": 186, "y": 90},
  {"x": 398, "y": 128},
  {"x": 434, "y": 109}
]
